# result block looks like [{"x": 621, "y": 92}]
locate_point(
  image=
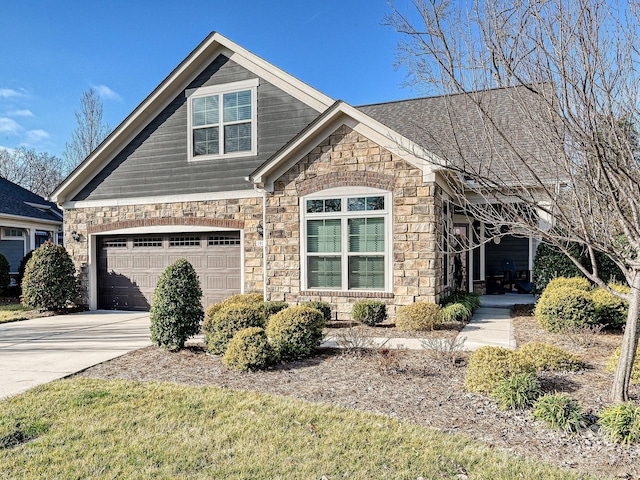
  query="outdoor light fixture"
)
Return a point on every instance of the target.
[
  {"x": 76, "y": 236},
  {"x": 260, "y": 230}
]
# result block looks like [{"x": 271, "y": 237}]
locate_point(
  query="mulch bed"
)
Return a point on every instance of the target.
[{"x": 417, "y": 386}]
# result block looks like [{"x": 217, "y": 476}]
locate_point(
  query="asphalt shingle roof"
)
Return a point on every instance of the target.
[{"x": 14, "y": 200}]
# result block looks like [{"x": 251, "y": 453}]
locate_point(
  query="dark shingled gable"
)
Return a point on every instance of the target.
[
  {"x": 452, "y": 127},
  {"x": 14, "y": 201}
]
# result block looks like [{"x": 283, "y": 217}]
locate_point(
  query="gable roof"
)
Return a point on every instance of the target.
[
  {"x": 211, "y": 47},
  {"x": 20, "y": 202}
]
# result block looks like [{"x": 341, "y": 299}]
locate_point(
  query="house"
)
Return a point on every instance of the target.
[
  {"x": 265, "y": 184},
  {"x": 26, "y": 222}
]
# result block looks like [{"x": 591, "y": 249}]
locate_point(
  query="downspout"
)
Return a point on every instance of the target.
[{"x": 264, "y": 244}]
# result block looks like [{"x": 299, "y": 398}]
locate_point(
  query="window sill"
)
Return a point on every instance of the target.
[{"x": 351, "y": 294}]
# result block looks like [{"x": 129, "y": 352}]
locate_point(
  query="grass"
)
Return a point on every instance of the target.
[
  {"x": 14, "y": 312},
  {"x": 87, "y": 428}
]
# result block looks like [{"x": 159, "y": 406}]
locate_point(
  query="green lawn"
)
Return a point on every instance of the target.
[
  {"x": 14, "y": 312},
  {"x": 85, "y": 428}
]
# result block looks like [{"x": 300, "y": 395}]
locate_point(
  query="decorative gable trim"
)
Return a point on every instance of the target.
[
  {"x": 177, "y": 81},
  {"x": 340, "y": 114}
]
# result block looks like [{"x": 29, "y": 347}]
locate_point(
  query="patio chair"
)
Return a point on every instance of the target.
[{"x": 515, "y": 278}]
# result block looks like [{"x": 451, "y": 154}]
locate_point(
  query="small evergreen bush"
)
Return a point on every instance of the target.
[
  {"x": 611, "y": 310},
  {"x": 560, "y": 412},
  {"x": 489, "y": 365},
  {"x": 621, "y": 422},
  {"x": 612, "y": 365},
  {"x": 176, "y": 310},
  {"x": 369, "y": 312},
  {"x": 229, "y": 319},
  {"x": 255, "y": 299},
  {"x": 296, "y": 331},
  {"x": 470, "y": 300},
  {"x": 271, "y": 308},
  {"x": 49, "y": 281},
  {"x": 579, "y": 283},
  {"x": 5, "y": 279},
  {"x": 418, "y": 316},
  {"x": 323, "y": 307},
  {"x": 544, "y": 356},
  {"x": 249, "y": 349},
  {"x": 519, "y": 391},
  {"x": 550, "y": 263},
  {"x": 455, "y": 312},
  {"x": 565, "y": 308}
]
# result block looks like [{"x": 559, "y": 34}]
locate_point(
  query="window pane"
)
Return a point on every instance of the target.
[
  {"x": 365, "y": 203},
  {"x": 356, "y": 204},
  {"x": 332, "y": 205},
  {"x": 237, "y": 138},
  {"x": 324, "y": 272},
  {"x": 324, "y": 235},
  {"x": 205, "y": 110},
  {"x": 205, "y": 141},
  {"x": 366, "y": 272},
  {"x": 237, "y": 106},
  {"x": 375, "y": 203},
  {"x": 366, "y": 234},
  {"x": 315, "y": 206}
]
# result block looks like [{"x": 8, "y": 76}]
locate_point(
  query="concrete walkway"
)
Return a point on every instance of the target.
[
  {"x": 36, "y": 351},
  {"x": 491, "y": 323}
]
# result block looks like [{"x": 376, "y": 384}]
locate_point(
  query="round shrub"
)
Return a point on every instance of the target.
[
  {"x": 369, "y": 312},
  {"x": 612, "y": 365},
  {"x": 579, "y": 283},
  {"x": 271, "y": 308},
  {"x": 565, "y": 308},
  {"x": 560, "y": 412},
  {"x": 5, "y": 279},
  {"x": 249, "y": 349},
  {"x": 176, "y": 310},
  {"x": 455, "y": 312},
  {"x": 295, "y": 331},
  {"x": 621, "y": 422},
  {"x": 227, "y": 321},
  {"x": 255, "y": 299},
  {"x": 489, "y": 365},
  {"x": 544, "y": 356},
  {"x": 323, "y": 307},
  {"x": 49, "y": 281},
  {"x": 418, "y": 316},
  {"x": 519, "y": 391},
  {"x": 610, "y": 309}
]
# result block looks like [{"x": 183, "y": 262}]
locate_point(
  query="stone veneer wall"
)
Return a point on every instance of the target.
[
  {"x": 244, "y": 213},
  {"x": 347, "y": 158}
]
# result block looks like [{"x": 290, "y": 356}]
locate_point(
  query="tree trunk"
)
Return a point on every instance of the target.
[{"x": 620, "y": 389}]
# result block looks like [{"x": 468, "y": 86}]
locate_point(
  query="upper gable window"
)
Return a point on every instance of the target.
[{"x": 222, "y": 120}]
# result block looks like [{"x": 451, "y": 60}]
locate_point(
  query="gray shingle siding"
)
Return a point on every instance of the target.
[{"x": 155, "y": 162}]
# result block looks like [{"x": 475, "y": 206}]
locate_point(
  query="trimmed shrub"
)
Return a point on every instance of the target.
[
  {"x": 565, "y": 308},
  {"x": 49, "y": 281},
  {"x": 455, "y": 312},
  {"x": 611, "y": 310},
  {"x": 519, "y": 391},
  {"x": 271, "y": 308},
  {"x": 579, "y": 283},
  {"x": 249, "y": 349},
  {"x": 176, "y": 310},
  {"x": 255, "y": 299},
  {"x": 227, "y": 321},
  {"x": 369, "y": 312},
  {"x": 612, "y": 365},
  {"x": 295, "y": 331},
  {"x": 418, "y": 316},
  {"x": 560, "y": 412},
  {"x": 621, "y": 422},
  {"x": 5, "y": 279},
  {"x": 489, "y": 365},
  {"x": 323, "y": 307},
  {"x": 544, "y": 356}
]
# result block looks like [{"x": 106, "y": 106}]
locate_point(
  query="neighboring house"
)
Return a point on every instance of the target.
[
  {"x": 26, "y": 222},
  {"x": 265, "y": 184}
]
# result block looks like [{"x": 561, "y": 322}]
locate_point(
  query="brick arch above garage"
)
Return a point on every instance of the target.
[{"x": 171, "y": 221}]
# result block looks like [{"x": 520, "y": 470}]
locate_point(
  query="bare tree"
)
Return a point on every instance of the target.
[
  {"x": 570, "y": 170},
  {"x": 89, "y": 131},
  {"x": 38, "y": 172}
]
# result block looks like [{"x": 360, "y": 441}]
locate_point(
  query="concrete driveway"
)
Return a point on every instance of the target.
[{"x": 36, "y": 351}]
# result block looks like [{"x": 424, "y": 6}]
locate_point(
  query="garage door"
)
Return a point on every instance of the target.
[{"x": 129, "y": 266}]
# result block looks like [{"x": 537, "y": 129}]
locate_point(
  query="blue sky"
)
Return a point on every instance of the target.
[{"x": 51, "y": 51}]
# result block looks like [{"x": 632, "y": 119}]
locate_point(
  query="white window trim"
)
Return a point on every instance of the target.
[
  {"x": 220, "y": 90},
  {"x": 3, "y": 236},
  {"x": 344, "y": 193}
]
